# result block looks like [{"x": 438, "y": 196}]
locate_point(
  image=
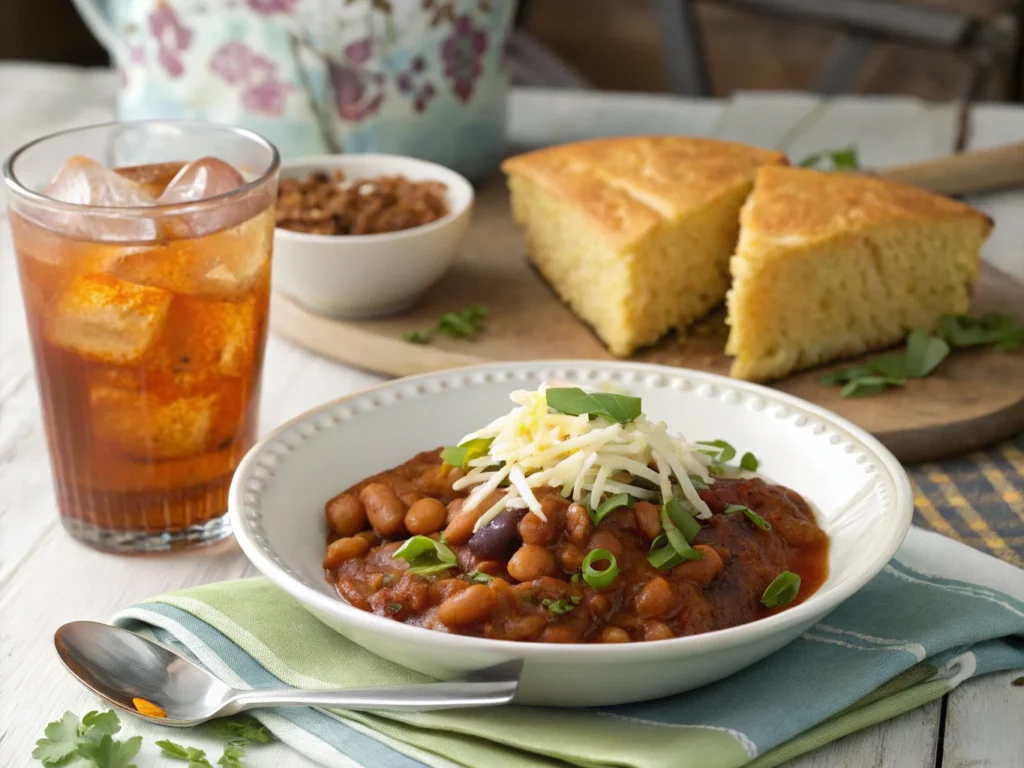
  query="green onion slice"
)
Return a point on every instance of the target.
[
  {"x": 782, "y": 591},
  {"x": 676, "y": 539},
  {"x": 752, "y": 516},
  {"x": 460, "y": 456},
  {"x": 610, "y": 505},
  {"x": 595, "y": 578},
  {"x": 662, "y": 556},
  {"x": 720, "y": 449},
  {"x": 681, "y": 513},
  {"x": 424, "y": 555}
]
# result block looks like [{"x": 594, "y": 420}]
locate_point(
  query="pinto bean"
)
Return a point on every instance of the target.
[
  {"x": 613, "y": 635},
  {"x": 657, "y": 630},
  {"x": 531, "y": 562},
  {"x": 346, "y": 514},
  {"x": 656, "y": 599},
  {"x": 454, "y": 507},
  {"x": 700, "y": 572},
  {"x": 345, "y": 549},
  {"x": 577, "y": 522},
  {"x": 570, "y": 557},
  {"x": 460, "y": 530},
  {"x": 559, "y": 633},
  {"x": 425, "y": 516},
  {"x": 533, "y": 530},
  {"x": 605, "y": 540},
  {"x": 648, "y": 518},
  {"x": 384, "y": 509},
  {"x": 469, "y": 606}
]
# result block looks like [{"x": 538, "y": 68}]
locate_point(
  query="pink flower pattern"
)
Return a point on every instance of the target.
[
  {"x": 172, "y": 38},
  {"x": 262, "y": 91},
  {"x": 462, "y": 53},
  {"x": 359, "y": 93},
  {"x": 268, "y": 7}
]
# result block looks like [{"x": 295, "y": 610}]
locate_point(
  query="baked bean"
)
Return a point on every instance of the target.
[
  {"x": 345, "y": 549},
  {"x": 490, "y": 567},
  {"x": 597, "y": 604},
  {"x": 346, "y": 514},
  {"x": 570, "y": 557},
  {"x": 454, "y": 508},
  {"x": 434, "y": 481},
  {"x": 702, "y": 571},
  {"x": 442, "y": 589},
  {"x": 531, "y": 562},
  {"x": 577, "y": 522},
  {"x": 533, "y": 530},
  {"x": 524, "y": 627},
  {"x": 460, "y": 530},
  {"x": 425, "y": 516},
  {"x": 604, "y": 540},
  {"x": 354, "y": 592},
  {"x": 468, "y": 607},
  {"x": 657, "y": 630},
  {"x": 656, "y": 599},
  {"x": 613, "y": 635},
  {"x": 648, "y": 518},
  {"x": 559, "y": 633},
  {"x": 384, "y": 509},
  {"x": 371, "y": 537}
]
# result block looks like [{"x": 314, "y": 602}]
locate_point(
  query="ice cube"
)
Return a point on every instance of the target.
[
  {"x": 200, "y": 179},
  {"x": 154, "y": 177},
  {"x": 83, "y": 181},
  {"x": 213, "y": 337},
  {"x": 103, "y": 318},
  {"x": 144, "y": 425}
]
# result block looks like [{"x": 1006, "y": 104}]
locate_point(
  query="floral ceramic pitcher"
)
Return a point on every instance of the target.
[{"x": 416, "y": 77}]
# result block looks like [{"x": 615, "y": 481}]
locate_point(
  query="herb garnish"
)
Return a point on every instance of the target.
[
  {"x": 599, "y": 579},
  {"x": 672, "y": 547},
  {"x": 782, "y": 591},
  {"x": 722, "y": 452},
  {"x": 558, "y": 607},
  {"x": 843, "y": 159},
  {"x": 462, "y": 324},
  {"x": 925, "y": 351},
  {"x": 91, "y": 743},
  {"x": 395, "y": 607},
  {"x": 479, "y": 577},
  {"x": 751, "y": 515},
  {"x": 460, "y": 455},
  {"x": 610, "y": 505},
  {"x": 425, "y": 556},
  {"x": 574, "y": 401}
]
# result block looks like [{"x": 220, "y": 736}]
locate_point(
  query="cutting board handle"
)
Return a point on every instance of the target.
[{"x": 965, "y": 173}]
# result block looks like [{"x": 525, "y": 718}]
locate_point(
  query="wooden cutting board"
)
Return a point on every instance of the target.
[{"x": 975, "y": 398}]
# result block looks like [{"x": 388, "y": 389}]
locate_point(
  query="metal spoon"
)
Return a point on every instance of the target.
[{"x": 120, "y": 666}]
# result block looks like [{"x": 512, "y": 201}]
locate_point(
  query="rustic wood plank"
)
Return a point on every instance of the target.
[
  {"x": 908, "y": 741},
  {"x": 983, "y": 723}
]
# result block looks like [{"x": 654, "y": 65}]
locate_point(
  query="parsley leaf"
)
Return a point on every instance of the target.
[
  {"x": 749, "y": 462},
  {"x": 462, "y": 324},
  {"x": 924, "y": 353},
  {"x": 558, "y": 607},
  {"x": 96, "y": 724},
  {"x": 61, "y": 741},
  {"x": 241, "y": 730},
  {"x": 1007, "y": 333},
  {"x": 843, "y": 159},
  {"x": 196, "y": 757},
  {"x": 110, "y": 753},
  {"x": 866, "y": 386},
  {"x": 232, "y": 757}
]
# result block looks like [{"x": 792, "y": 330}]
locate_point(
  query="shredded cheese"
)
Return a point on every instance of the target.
[{"x": 533, "y": 446}]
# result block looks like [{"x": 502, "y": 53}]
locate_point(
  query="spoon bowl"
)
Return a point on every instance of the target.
[{"x": 123, "y": 667}]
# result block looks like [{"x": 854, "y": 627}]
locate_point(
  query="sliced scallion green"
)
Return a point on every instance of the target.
[
  {"x": 752, "y": 516},
  {"x": 719, "y": 449},
  {"x": 479, "y": 577},
  {"x": 558, "y": 607},
  {"x": 681, "y": 513},
  {"x": 782, "y": 591},
  {"x": 676, "y": 538},
  {"x": 610, "y": 505},
  {"x": 599, "y": 579}
]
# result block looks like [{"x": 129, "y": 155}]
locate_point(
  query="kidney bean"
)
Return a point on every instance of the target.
[
  {"x": 467, "y": 607},
  {"x": 499, "y": 538},
  {"x": 346, "y": 514},
  {"x": 384, "y": 509}
]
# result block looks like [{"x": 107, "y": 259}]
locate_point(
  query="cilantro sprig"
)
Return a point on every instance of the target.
[
  {"x": 90, "y": 743},
  {"x": 925, "y": 351},
  {"x": 722, "y": 453},
  {"x": 462, "y": 324},
  {"x": 842, "y": 159}
]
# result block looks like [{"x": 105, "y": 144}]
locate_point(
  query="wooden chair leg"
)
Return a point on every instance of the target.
[{"x": 682, "y": 47}]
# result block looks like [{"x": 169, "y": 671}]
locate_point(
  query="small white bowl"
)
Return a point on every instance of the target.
[
  {"x": 860, "y": 493},
  {"x": 360, "y": 276}
]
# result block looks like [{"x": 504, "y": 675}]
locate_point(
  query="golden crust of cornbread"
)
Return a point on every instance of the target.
[
  {"x": 634, "y": 233},
  {"x": 627, "y": 185},
  {"x": 832, "y": 264}
]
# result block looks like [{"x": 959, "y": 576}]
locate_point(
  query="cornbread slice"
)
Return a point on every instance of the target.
[
  {"x": 635, "y": 234},
  {"x": 832, "y": 264}
]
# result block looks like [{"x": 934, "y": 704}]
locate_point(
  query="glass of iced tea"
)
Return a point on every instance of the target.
[{"x": 144, "y": 256}]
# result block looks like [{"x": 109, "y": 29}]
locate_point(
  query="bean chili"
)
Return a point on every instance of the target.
[{"x": 519, "y": 577}]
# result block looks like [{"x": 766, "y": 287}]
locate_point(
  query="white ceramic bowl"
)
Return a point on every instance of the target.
[
  {"x": 356, "y": 276},
  {"x": 860, "y": 492}
]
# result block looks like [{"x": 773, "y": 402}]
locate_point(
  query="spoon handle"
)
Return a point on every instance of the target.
[{"x": 446, "y": 695}]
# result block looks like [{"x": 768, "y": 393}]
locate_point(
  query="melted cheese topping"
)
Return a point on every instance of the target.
[{"x": 533, "y": 446}]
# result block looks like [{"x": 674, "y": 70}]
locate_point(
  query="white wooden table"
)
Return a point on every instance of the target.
[{"x": 46, "y": 578}]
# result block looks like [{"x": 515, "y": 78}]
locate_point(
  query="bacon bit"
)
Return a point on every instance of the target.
[{"x": 148, "y": 708}]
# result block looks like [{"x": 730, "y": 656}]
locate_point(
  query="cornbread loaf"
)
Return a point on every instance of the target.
[
  {"x": 833, "y": 264},
  {"x": 635, "y": 234}
]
